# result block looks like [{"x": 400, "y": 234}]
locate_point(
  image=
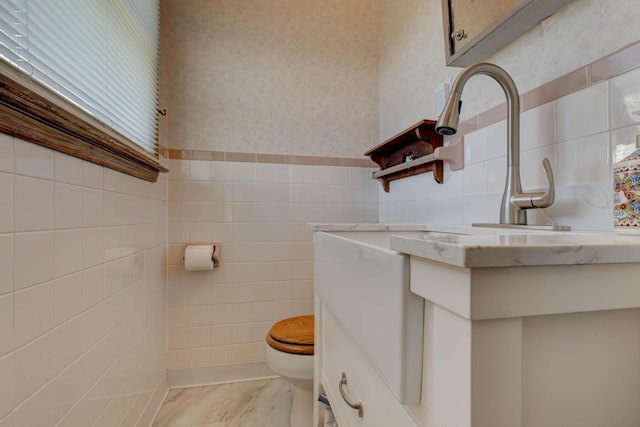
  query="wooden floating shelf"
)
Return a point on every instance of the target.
[{"x": 408, "y": 147}]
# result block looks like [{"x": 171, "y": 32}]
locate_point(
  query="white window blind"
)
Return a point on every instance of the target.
[{"x": 100, "y": 55}]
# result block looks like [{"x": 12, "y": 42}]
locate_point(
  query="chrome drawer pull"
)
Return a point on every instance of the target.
[{"x": 347, "y": 400}]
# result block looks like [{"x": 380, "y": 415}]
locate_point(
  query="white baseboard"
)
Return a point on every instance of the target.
[
  {"x": 207, "y": 375},
  {"x": 153, "y": 406}
]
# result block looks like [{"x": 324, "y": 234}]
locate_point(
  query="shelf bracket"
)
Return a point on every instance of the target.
[{"x": 408, "y": 153}]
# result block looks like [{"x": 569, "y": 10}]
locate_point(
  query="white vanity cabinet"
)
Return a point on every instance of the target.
[
  {"x": 518, "y": 329},
  {"x": 337, "y": 355},
  {"x": 530, "y": 346},
  {"x": 368, "y": 325}
]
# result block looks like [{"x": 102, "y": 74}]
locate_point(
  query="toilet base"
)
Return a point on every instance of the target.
[{"x": 302, "y": 408}]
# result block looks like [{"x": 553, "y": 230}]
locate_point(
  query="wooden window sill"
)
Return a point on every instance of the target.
[{"x": 28, "y": 114}]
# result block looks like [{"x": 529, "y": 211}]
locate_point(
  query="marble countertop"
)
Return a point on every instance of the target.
[{"x": 478, "y": 247}]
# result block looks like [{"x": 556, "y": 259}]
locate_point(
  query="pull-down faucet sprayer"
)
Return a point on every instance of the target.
[{"x": 514, "y": 200}]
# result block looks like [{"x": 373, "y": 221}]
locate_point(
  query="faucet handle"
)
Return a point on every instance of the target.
[
  {"x": 537, "y": 200},
  {"x": 544, "y": 200}
]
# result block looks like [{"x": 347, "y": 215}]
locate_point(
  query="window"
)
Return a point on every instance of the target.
[{"x": 80, "y": 76}]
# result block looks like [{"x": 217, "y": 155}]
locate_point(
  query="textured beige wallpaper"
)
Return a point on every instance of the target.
[
  {"x": 270, "y": 76},
  {"x": 412, "y": 54}
]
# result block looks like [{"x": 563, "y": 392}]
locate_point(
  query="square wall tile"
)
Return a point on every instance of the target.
[
  {"x": 178, "y": 211},
  {"x": 475, "y": 147},
  {"x": 93, "y": 249},
  {"x": 321, "y": 174},
  {"x": 6, "y": 263},
  {"x": 92, "y": 175},
  {"x": 33, "y": 366},
  {"x": 113, "y": 180},
  {"x": 244, "y": 172},
  {"x": 340, "y": 194},
  {"x": 360, "y": 177},
  {"x": 67, "y": 297},
  {"x": 200, "y": 170},
  {"x": 7, "y": 205},
  {"x": 33, "y": 160},
  {"x": 6, "y": 324},
  {"x": 623, "y": 143},
  {"x": 302, "y": 174},
  {"x": 538, "y": 127},
  {"x": 265, "y": 172},
  {"x": 199, "y": 356},
  {"x": 179, "y": 191},
  {"x": 92, "y": 207},
  {"x": 263, "y": 311},
  {"x": 340, "y": 175},
  {"x": 68, "y": 252},
  {"x": 179, "y": 169},
  {"x": 68, "y": 169},
  {"x": 177, "y": 359},
  {"x": 6, "y": 391},
  {"x": 222, "y": 335},
  {"x": 244, "y": 192},
  {"x": 114, "y": 208},
  {"x": 33, "y": 260},
  {"x": 221, "y": 171},
  {"x": 475, "y": 178},
  {"x": 92, "y": 286},
  {"x": 199, "y": 337},
  {"x": 583, "y": 113},
  {"x": 178, "y": 317},
  {"x": 284, "y": 174},
  {"x": 242, "y": 333},
  {"x": 496, "y": 174},
  {"x": 68, "y": 206},
  {"x": 496, "y": 140},
  {"x": 303, "y": 193},
  {"x": 6, "y": 153},
  {"x": 302, "y": 307},
  {"x": 178, "y": 338},
  {"x": 584, "y": 161},
  {"x": 625, "y": 99},
  {"x": 33, "y": 312},
  {"x": 321, "y": 193},
  {"x": 283, "y": 193},
  {"x": 69, "y": 344},
  {"x": 33, "y": 204}
]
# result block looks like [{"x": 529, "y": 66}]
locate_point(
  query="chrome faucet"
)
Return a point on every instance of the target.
[{"x": 514, "y": 200}]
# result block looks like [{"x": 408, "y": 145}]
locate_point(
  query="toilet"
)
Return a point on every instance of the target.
[{"x": 290, "y": 355}]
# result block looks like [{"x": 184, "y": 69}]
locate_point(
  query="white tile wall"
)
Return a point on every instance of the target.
[
  {"x": 582, "y": 134},
  {"x": 82, "y": 290},
  {"x": 583, "y": 113},
  {"x": 625, "y": 99},
  {"x": 259, "y": 213}
]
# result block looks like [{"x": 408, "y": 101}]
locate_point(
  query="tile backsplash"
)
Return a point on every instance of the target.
[
  {"x": 582, "y": 134},
  {"x": 82, "y": 290}
]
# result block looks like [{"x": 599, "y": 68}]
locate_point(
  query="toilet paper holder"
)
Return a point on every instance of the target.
[{"x": 215, "y": 256}]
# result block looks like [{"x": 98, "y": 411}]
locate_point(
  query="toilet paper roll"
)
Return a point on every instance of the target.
[{"x": 198, "y": 258}]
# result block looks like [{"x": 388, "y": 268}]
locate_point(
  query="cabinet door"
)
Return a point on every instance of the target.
[{"x": 380, "y": 408}]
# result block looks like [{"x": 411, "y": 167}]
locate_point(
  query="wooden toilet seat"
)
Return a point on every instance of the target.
[{"x": 293, "y": 335}]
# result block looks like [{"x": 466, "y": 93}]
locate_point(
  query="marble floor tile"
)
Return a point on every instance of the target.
[{"x": 262, "y": 403}]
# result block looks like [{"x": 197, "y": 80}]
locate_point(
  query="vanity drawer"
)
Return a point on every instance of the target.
[{"x": 380, "y": 408}]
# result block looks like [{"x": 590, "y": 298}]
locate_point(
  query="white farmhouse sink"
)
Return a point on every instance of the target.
[{"x": 365, "y": 285}]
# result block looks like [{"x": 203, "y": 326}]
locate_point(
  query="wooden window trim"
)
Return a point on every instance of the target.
[{"x": 26, "y": 112}]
